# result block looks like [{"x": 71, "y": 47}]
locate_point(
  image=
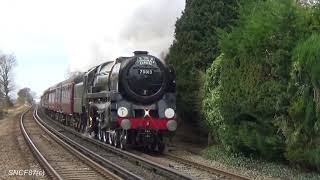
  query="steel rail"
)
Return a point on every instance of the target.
[
  {"x": 106, "y": 173},
  {"x": 120, "y": 171},
  {"x": 150, "y": 165},
  {"x": 206, "y": 168},
  {"x": 46, "y": 164}
]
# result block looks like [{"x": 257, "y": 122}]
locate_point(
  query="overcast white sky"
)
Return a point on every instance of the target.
[{"x": 49, "y": 37}]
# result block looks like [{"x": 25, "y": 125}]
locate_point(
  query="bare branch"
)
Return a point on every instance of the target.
[{"x": 7, "y": 63}]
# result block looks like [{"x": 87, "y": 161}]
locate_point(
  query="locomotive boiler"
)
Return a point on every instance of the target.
[{"x": 129, "y": 101}]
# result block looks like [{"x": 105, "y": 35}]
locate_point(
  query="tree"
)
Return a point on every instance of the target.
[
  {"x": 303, "y": 127},
  {"x": 72, "y": 74},
  {"x": 255, "y": 75},
  {"x": 1, "y": 104},
  {"x": 7, "y": 63},
  {"x": 262, "y": 95},
  {"x": 25, "y": 95},
  {"x": 195, "y": 47},
  {"x": 1, "y": 98}
]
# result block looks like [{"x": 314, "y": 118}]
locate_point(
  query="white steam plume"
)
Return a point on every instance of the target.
[{"x": 144, "y": 25}]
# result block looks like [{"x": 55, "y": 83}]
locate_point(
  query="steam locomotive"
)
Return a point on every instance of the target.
[{"x": 126, "y": 102}]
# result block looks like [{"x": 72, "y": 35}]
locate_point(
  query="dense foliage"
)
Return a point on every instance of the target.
[
  {"x": 25, "y": 96},
  {"x": 259, "y": 94},
  {"x": 303, "y": 127},
  {"x": 195, "y": 47}
]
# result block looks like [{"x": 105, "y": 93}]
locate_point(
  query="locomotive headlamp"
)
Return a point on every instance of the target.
[
  {"x": 122, "y": 112},
  {"x": 125, "y": 124},
  {"x": 172, "y": 125},
  {"x": 169, "y": 113}
]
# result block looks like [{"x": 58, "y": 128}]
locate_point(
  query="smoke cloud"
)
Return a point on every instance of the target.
[
  {"x": 151, "y": 27},
  {"x": 145, "y": 25}
]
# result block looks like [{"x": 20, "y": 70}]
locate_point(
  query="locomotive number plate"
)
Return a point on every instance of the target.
[{"x": 145, "y": 71}]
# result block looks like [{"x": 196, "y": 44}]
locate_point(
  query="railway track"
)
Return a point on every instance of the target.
[
  {"x": 59, "y": 160},
  {"x": 194, "y": 169},
  {"x": 220, "y": 173},
  {"x": 110, "y": 156},
  {"x": 149, "y": 164}
]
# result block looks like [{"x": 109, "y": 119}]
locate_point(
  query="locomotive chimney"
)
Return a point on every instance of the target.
[{"x": 140, "y": 53}]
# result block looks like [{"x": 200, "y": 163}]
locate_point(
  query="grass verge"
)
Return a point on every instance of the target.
[{"x": 259, "y": 166}]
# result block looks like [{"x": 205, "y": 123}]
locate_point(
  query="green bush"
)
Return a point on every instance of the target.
[
  {"x": 211, "y": 97},
  {"x": 259, "y": 95},
  {"x": 304, "y": 125},
  {"x": 194, "y": 48},
  {"x": 255, "y": 69}
]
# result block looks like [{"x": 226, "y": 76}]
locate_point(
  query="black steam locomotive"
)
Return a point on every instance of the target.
[{"x": 129, "y": 101}]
